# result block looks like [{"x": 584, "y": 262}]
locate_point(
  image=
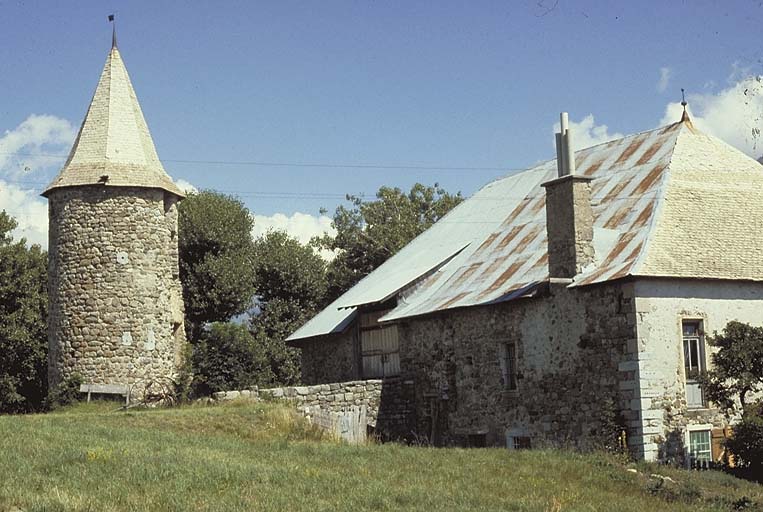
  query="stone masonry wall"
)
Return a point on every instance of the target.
[
  {"x": 330, "y": 359},
  {"x": 116, "y": 310},
  {"x": 387, "y": 409},
  {"x": 661, "y": 306},
  {"x": 334, "y": 397},
  {"x": 570, "y": 344}
]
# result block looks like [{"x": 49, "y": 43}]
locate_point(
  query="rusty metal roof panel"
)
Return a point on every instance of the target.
[
  {"x": 627, "y": 176},
  {"x": 493, "y": 246}
]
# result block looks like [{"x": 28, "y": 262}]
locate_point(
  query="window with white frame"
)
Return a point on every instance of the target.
[
  {"x": 694, "y": 360},
  {"x": 700, "y": 447},
  {"x": 508, "y": 361}
]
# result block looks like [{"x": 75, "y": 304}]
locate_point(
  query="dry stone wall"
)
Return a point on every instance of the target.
[
  {"x": 116, "y": 311},
  {"x": 334, "y": 397},
  {"x": 388, "y": 402}
]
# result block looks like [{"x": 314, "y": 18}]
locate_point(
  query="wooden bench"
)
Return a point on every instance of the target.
[{"x": 106, "y": 389}]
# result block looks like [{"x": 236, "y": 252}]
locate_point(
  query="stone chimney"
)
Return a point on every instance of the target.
[{"x": 569, "y": 217}]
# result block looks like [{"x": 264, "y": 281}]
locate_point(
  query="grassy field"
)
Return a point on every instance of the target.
[{"x": 244, "y": 456}]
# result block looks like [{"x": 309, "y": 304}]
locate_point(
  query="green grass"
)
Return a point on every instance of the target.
[{"x": 244, "y": 456}]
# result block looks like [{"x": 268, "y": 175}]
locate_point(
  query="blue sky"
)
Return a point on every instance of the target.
[{"x": 432, "y": 84}]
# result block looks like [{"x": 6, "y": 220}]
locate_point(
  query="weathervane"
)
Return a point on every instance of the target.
[
  {"x": 114, "y": 32},
  {"x": 685, "y": 115}
]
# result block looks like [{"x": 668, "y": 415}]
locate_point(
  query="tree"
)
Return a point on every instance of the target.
[
  {"x": 369, "y": 232},
  {"x": 23, "y": 317},
  {"x": 225, "y": 357},
  {"x": 216, "y": 258},
  {"x": 291, "y": 285},
  {"x": 737, "y": 369},
  {"x": 735, "y": 377}
]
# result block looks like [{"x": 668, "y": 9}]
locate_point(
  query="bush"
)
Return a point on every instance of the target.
[
  {"x": 66, "y": 393},
  {"x": 227, "y": 358},
  {"x": 747, "y": 441}
]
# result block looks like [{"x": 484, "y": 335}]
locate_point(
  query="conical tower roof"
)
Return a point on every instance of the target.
[{"x": 114, "y": 146}]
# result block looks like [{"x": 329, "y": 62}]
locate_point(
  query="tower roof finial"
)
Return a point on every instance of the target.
[
  {"x": 113, "y": 31},
  {"x": 685, "y": 115}
]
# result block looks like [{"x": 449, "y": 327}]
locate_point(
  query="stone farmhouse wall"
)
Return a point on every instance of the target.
[
  {"x": 571, "y": 347},
  {"x": 661, "y": 306},
  {"x": 116, "y": 311},
  {"x": 331, "y": 359}
]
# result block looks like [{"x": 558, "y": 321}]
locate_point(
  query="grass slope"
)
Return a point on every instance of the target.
[{"x": 245, "y": 456}]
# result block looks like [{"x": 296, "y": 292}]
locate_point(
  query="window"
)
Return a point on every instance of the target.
[
  {"x": 508, "y": 361},
  {"x": 700, "y": 451},
  {"x": 521, "y": 443},
  {"x": 379, "y": 348},
  {"x": 694, "y": 361}
]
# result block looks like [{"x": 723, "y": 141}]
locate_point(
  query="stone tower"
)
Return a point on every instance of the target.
[{"x": 116, "y": 307}]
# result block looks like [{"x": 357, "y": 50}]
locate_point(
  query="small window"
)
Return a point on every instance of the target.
[
  {"x": 694, "y": 360},
  {"x": 508, "y": 361},
  {"x": 700, "y": 450},
  {"x": 521, "y": 443}
]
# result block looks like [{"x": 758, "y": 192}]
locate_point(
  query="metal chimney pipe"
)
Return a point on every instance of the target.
[
  {"x": 570, "y": 152},
  {"x": 559, "y": 155}
]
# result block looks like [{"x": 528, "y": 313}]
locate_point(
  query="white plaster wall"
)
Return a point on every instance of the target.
[{"x": 661, "y": 304}]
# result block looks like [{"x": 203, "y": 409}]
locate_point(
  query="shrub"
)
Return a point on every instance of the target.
[
  {"x": 66, "y": 393},
  {"x": 747, "y": 441},
  {"x": 227, "y": 358}
]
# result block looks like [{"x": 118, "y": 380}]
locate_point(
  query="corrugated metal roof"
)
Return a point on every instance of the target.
[
  {"x": 503, "y": 226},
  {"x": 114, "y": 139}
]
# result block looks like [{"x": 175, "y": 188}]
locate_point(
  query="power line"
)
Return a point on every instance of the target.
[{"x": 305, "y": 164}]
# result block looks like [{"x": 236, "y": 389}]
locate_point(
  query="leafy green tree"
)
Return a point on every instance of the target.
[
  {"x": 746, "y": 442},
  {"x": 291, "y": 285},
  {"x": 369, "y": 232},
  {"x": 737, "y": 370},
  {"x": 735, "y": 378},
  {"x": 226, "y": 357},
  {"x": 23, "y": 317},
  {"x": 216, "y": 258}
]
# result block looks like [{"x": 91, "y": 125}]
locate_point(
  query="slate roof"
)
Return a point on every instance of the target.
[
  {"x": 114, "y": 139},
  {"x": 670, "y": 202}
]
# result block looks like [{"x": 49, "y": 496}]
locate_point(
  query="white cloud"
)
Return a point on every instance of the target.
[
  {"x": 734, "y": 114},
  {"x": 301, "y": 226},
  {"x": 23, "y": 162},
  {"x": 30, "y": 212},
  {"x": 23, "y": 149},
  {"x": 185, "y": 186},
  {"x": 664, "y": 80},
  {"x": 587, "y": 133}
]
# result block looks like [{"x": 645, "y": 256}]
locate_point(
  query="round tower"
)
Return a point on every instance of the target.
[{"x": 116, "y": 307}]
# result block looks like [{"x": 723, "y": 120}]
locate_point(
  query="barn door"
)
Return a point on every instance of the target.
[{"x": 379, "y": 347}]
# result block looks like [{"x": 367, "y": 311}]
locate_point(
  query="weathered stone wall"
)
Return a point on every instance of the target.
[
  {"x": 331, "y": 358},
  {"x": 116, "y": 310},
  {"x": 570, "y": 344},
  {"x": 661, "y": 306},
  {"x": 387, "y": 409}
]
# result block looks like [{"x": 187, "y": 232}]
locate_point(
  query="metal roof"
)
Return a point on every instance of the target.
[
  {"x": 495, "y": 242},
  {"x": 114, "y": 140}
]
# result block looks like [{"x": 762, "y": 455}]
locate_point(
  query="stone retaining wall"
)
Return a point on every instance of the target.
[{"x": 335, "y": 397}]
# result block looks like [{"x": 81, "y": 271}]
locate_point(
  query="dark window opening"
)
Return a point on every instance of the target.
[{"x": 508, "y": 362}]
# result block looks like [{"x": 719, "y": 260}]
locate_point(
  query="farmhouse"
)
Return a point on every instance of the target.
[{"x": 563, "y": 304}]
